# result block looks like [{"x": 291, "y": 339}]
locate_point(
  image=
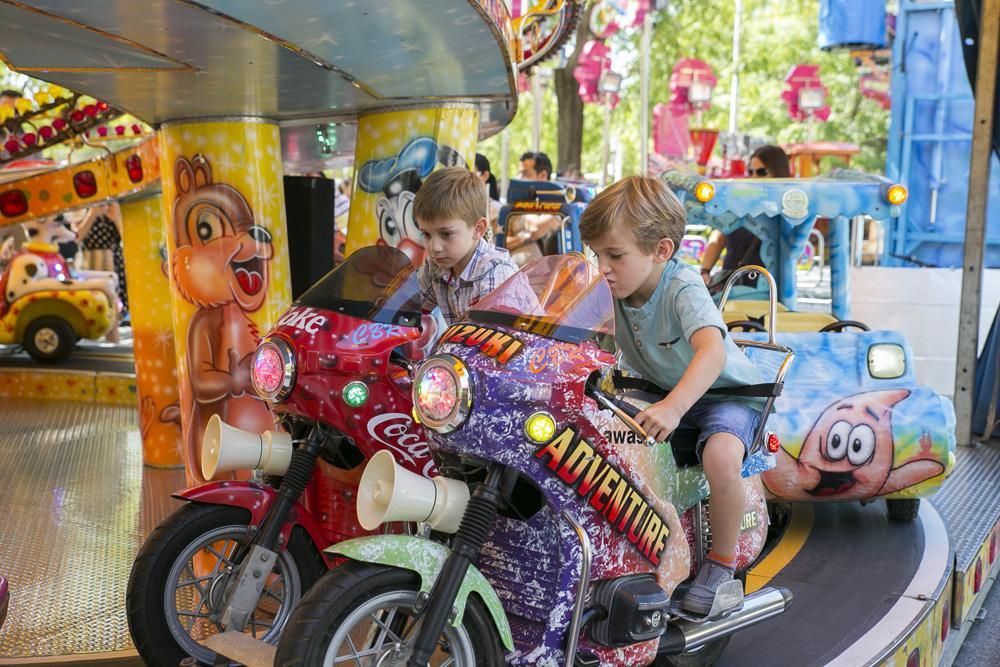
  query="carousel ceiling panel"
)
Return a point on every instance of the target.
[
  {"x": 172, "y": 59},
  {"x": 398, "y": 48}
]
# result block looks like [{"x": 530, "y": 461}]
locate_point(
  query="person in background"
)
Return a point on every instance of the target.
[
  {"x": 535, "y": 166},
  {"x": 486, "y": 176},
  {"x": 741, "y": 245}
]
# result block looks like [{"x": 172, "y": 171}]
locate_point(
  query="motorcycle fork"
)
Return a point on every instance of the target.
[
  {"x": 261, "y": 550},
  {"x": 465, "y": 548}
]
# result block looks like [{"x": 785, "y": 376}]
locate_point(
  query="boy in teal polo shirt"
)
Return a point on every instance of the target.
[{"x": 670, "y": 332}]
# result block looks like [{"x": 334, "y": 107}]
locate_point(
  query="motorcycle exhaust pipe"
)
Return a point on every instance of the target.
[
  {"x": 225, "y": 448},
  {"x": 684, "y": 636}
]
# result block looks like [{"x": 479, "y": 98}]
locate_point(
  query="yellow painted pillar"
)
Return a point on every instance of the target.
[
  {"x": 223, "y": 203},
  {"x": 396, "y": 150},
  {"x": 152, "y": 331}
]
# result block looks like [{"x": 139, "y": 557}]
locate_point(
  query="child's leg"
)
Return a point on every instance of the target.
[{"x": 722, "y": 460}]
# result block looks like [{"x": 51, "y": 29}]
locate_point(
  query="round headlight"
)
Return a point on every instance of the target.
[
  {"x": 897, "y": 194},
  {"x": 704, "y": 191},
  {"x": 442, "y": 393},
  {"x": 272, "y": 371}
]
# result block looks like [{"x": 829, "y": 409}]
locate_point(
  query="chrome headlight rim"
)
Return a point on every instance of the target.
[
  {"x": 463, "y": 400},
  {"x": 289, "y": 370},
  {"x": 877, "y": 359}
]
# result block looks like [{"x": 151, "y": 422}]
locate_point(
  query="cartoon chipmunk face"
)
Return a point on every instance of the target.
[
  {"x": 850, "y": 447},
  {"x": 221, "y": 255}
]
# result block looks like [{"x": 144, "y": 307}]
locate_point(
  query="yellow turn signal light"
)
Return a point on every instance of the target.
[
  {"x": 897, "y": 194},
  {"x": 704, "y": 191},
  {"x": 540, "y": 427}
]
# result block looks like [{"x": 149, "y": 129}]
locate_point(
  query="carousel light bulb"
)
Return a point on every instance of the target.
[{"x": 704, "y": 191}]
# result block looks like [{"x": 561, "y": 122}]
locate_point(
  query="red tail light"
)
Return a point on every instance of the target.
[
  {"x": 914, "y": 659},
  {"x": 977, "y": 581},
  {"x": 773, "y": 443},
  {"x": 85, "y": 184},
  {"x": 134, "y": 167}
]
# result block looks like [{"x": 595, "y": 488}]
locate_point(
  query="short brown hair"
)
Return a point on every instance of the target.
[
  {"x": 450, "y": 193},
  {"x": 644, "y": 206}
]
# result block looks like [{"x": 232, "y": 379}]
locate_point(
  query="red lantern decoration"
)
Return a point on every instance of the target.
[
  {"x": 76, "y": 116},
  {"x": 102, "y": 106},
  {"x": 59, "y": 124},
  {"x": 29, "y": 138},
  {"x": 136, "y": 129},
  {"x": 133, "y": 164},
  {"x": 102, "y": 131},
  {"x": 12, "y": 145},
  {"x": 119, "y": 130},
  {"x": 46, "y": 131},
  {"x": 85, "y": 184},
  {"x": 90, "y": 110},
  {"x": 13, "y": 203}
]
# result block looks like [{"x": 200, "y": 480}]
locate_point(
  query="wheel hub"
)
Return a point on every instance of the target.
[{"x": 46, "y": 340}]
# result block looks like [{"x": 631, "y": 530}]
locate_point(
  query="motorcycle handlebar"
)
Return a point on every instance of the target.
[{"x": 623, "y": 410}]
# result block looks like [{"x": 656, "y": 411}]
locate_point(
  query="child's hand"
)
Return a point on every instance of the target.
[{"x": 660, "y": 420}]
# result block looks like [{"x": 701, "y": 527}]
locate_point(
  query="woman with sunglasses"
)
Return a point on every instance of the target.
[{"x": 742, "y": 246}]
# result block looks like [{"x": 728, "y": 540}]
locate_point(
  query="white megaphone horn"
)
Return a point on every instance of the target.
[
  {"x": 389, "y": 492},
  {"x": 225, "y": 448}
]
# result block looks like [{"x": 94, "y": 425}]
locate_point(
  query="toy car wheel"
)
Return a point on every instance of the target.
[
  {"x": 746, "y": 325},
  {"x": 903, "y": 509},
  {"x": 49, "y": 339},
  {"x": 840, "y": 325}
]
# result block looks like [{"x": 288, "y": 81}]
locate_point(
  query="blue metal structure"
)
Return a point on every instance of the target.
[
  {"x": 781, "y": 213},
  {"x": 930, "y": 140}
]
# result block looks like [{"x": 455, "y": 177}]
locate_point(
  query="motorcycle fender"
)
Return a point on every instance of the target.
[
  {"x": 256, "y": 499},
  {"x": 426, "y": 558}
]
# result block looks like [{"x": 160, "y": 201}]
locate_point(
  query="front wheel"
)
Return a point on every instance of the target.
[
  {"x": 175, "y": 590},
  {"x": 49, "y": 340},
  {"x": 363, "y": 614}
]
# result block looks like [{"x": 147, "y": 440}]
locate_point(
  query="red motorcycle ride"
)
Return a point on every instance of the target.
[{"x": 240, "y": 554}]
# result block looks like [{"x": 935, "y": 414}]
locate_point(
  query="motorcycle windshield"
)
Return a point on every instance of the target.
[
  {"x": 375, "y": 283},
  {"x": 563, "y": 297}
]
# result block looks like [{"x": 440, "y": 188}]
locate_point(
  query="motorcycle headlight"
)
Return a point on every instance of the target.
[
  {"x": 886, "y": 361},
  {"x": 272, "y": 371},
  {"x": 442, "y": 393}
]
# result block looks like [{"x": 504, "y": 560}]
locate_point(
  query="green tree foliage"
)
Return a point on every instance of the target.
[{"x": 776, "y": 34}]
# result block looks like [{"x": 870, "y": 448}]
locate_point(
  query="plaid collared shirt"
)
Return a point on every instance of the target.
[{"x": 488, "y": 267}]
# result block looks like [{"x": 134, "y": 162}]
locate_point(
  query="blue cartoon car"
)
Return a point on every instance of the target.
[{"x": 854, "y": 424}]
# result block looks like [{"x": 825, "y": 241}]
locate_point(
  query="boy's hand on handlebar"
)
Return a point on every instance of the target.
[{"x": 659, "y": 420}]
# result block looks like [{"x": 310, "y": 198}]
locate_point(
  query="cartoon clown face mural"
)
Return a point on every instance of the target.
[{"x": 398, "y": 179}]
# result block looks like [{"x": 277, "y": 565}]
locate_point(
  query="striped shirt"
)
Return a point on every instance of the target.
[{"x": 488, "y": 267}]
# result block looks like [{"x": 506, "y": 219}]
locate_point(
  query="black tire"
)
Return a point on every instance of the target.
[
  {"x": 840, "y": 325},
  {"x": 348, "y": 588},
  {"x": 49, "y": 339},
  {"x": 703, "y": 657},
  {"x": 155, "y": 639},
  {"x": 746, "y": 325},
  {"x": 902, "y": 509}
]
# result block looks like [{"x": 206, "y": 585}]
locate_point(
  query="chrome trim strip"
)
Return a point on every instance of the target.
[{"x": 573, "y": 633}]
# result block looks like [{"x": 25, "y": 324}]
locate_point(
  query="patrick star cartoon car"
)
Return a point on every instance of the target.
[{"x": 46, "y": 306}]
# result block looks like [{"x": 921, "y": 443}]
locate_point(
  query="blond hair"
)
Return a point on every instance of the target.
[
  {"x": 451, "y": 193},
  {"x": 644, "y": 206}
]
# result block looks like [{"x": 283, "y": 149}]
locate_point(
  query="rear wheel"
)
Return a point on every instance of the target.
[
  {"x": 363, "y": 614},
  {"x": 707, "y": 655},
  {"x": 903, "y": 509},
  {"x": 49, "y": 339}
]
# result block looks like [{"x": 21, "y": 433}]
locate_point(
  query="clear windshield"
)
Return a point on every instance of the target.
[
  {"x": 376, "y": 283},
  {"x": 562, "y": 297}
]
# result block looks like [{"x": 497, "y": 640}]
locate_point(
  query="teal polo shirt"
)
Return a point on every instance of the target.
[{"x": 655, "y": 339}]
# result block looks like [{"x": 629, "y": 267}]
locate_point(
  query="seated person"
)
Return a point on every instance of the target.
[{"x": 669, "y": 331}]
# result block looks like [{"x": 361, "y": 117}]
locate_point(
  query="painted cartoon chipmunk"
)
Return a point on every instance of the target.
[{"x": 221, "y": 266}]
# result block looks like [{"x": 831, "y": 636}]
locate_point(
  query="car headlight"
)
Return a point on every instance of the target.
[
  {"x": 886, "y": 361},
  {"x": 442, "y": 393},
  {"x": 272, "y": 371}
]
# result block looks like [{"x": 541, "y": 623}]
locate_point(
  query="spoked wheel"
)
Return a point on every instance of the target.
[
  {"x": 179, "y": 580},
  {"x": 364, "y": 615}
]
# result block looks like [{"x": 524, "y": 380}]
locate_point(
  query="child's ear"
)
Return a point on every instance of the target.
[
  {"x": 664, "y": 250},
  {"x": 479, "y": 227}
]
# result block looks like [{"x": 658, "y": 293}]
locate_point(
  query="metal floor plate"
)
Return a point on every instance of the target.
[
  {"x": 969, "y": 500},
  {"x": 75, "y": 505}
]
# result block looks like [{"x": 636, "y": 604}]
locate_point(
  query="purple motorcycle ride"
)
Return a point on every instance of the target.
[{"x": 557, "y": 532}]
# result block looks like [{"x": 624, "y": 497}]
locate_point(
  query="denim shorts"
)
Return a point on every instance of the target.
[{"x": 707, "y": 417}]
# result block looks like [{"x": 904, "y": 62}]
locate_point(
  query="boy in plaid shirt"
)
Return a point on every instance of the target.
[{"x": 461, "y": 267}]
